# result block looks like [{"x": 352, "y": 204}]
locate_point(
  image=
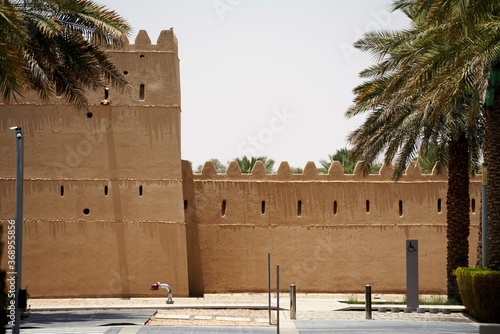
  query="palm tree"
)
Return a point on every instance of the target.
[
  {"x": 12, "y": 35},
  {"x": 344, "y": 157},
  {"x": 49, "y": 44},
  {"x": 246, "y": 164},
  {"x": 402, "y": 127},
  {"x": 219, "y": 167},
  {"x": 427, "y": 161},
  {"x": 471, "y": 50}
]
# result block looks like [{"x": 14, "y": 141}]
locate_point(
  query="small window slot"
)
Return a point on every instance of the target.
[
  {"x": 140, "y": 191},
  {"x": 223, "y": 208},
  {"x": 185, "y": 204},
  {"x": 299, "y": 208},
  {"x": 141, "y": 92},
  {"x": 263, "y": 207},
  {"x": 367, "y": 206},
  {"x": 439, "y": 205},
  {"x": 106, "y": 190},
  {"x": 400, "y": 208},
  {"x": 62, "y": 191},
  {"x": 335, "y": 208},
  {"x": 59, "y": 90}
]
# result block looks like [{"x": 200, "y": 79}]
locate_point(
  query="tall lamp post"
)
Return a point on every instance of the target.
[{"x": 18, "y": 222}]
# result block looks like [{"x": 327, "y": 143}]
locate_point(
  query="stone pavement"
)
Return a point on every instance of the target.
[{"x": 316, "y": 313}]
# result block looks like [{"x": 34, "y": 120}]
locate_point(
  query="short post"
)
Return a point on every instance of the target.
[
  {"x": 368, "y": 302},
  {"x": 269, "y": 284},
  {"x": 293, "y": 302},
  {"x": 278, "y": 299}
]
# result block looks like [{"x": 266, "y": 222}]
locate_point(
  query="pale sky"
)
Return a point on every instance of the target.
[{"x": 264, "y": 77}]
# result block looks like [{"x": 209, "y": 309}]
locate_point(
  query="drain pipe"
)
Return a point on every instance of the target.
[{"x": 158, "y": 286}]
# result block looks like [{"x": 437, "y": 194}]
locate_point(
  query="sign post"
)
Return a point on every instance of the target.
[{"x": 412, "y": 274}]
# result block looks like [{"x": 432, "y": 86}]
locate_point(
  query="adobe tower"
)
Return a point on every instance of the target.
[{"x": 91, "y": 228}]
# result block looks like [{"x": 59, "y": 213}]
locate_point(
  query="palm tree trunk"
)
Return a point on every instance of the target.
[
  {"x": 492, "y": 156},
  {"x": 457, "y": 213}
]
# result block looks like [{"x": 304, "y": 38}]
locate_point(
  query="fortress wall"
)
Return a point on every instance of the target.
[
  {"x": 103, "y": 198},
  {"x": 117, "y": 142},
  {"x": 109, "y": 208},
  {"x": 102, "y": 258},
  {"x": 321, "y": 250}
]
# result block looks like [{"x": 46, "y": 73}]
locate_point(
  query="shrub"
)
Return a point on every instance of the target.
[{"x": 480, "y": 292}]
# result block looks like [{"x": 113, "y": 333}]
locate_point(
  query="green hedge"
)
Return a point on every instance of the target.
[{"x": 480, "y": 292}]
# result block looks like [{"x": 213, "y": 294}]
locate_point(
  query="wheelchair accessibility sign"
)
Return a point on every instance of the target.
[{"x": 412, "y": 246}]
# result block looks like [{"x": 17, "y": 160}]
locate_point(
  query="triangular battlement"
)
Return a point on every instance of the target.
[{"x": 310, "y": 173}]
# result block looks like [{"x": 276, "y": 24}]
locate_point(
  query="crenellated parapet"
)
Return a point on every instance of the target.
[
  {"x": 152, "y": 71},
  {"x": 310, "y": 173},
  {"x": 166, "y": 41}
]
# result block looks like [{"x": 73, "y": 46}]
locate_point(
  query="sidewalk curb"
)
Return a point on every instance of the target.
[{"x": 153, "y": 307}]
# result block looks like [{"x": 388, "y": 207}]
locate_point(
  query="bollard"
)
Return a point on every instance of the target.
[
  {"x": 278, "y": 299},
  {"x": 269, "y": 285},
  {"x": 293, "y": 302},
  {"x": 368, "y": 302}
]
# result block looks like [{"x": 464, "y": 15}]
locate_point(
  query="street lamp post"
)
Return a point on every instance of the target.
[{"x": 18, "y": 222}]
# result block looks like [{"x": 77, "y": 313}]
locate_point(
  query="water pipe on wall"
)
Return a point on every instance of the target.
[{"x": 158, "y": 286}]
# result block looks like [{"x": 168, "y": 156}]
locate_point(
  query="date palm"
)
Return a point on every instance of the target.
[
  {"x": 471, "y": 50},
  {"x": 246, "y": 164},
  {"x": 48, "y": 44},
  {"x": 428, "y": 161},
  {"x": 11, "y": 38},
  {"x": 344, "y": 157},
  {"x": 401, "y": 127},
  {"x": 219, "y": 166}
]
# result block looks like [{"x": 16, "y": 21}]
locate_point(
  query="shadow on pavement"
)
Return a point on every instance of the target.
[{"x": 87, "y": 318}]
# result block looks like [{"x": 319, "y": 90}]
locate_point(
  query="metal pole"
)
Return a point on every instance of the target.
[
  {"x": 484, "y": 217},
  {"x": 269, "y": 284},
  {"x": 293, "y": 302},
  {"x": 278, "y": 299},
  {"x": 412, "y": 274},
  {"x": 368, "y": 302},
  {"x": 19, "y": 222}
]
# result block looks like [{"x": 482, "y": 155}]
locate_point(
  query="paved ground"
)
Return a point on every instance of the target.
[
  {"x": 383, "y": 327},
  {"x": 87, "y": 318},
  {"x": 324, "y": 313}
]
